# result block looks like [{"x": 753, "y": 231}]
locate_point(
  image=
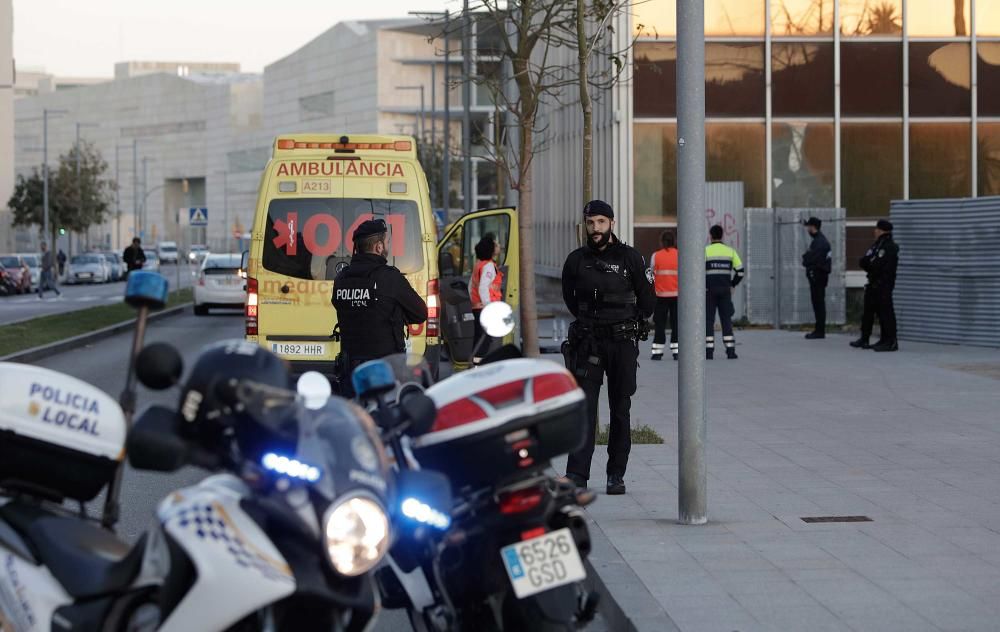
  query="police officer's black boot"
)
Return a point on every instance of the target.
[
  {"x": 616, "y": 485},
  {"x": 709, "y": 353},
  {"x": 861, "y": 343},
  {"x": 731, "y": 353}
]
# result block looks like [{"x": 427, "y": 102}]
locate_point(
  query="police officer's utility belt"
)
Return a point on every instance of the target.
[{"x": 624, "y": 330}]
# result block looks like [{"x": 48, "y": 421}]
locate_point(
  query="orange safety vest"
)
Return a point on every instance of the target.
[
  {"x": 496, "y": 292},
  {"x": 665, "y": 272}
]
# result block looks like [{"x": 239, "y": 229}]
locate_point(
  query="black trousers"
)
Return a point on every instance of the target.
[
  {"x": 719, "y": 299},
  {"x": 878, "y": 301},
  {"x": 664, "y": 312},
  {"x": 619, "y": 360},
  {"x": 817, "y": 294}
]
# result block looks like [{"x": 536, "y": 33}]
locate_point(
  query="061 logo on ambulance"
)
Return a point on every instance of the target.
[{"x": 288, "y": 232}]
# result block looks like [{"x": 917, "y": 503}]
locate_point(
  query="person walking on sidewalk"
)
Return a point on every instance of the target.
[
  {"x": 723, "y": 272},
  {"x": 605, "y": 287},
  {"x": 880, "y": 262},
  {"x": 61, "y": 259},
  {"x": 818, "y": 263},
  {"x": 663, "y": 265},
  {"x": 46, "y": 279},
  {"x": 486, "y": 287}
]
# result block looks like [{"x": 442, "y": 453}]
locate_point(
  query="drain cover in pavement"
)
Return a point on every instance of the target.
[{"x": 837, "y": 519}]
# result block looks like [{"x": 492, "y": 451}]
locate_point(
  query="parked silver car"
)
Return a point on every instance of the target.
[
  {"x": 88, "y": 268},
  {"x": 117, "y": 265}
]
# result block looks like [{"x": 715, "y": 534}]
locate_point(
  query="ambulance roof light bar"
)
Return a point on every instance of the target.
[{"x": 399, "y": 145}]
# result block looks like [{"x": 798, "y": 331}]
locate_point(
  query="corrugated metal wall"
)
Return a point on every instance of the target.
[
  {"x": 947, "y": 286},
  {"x": 764, "y": 226}
]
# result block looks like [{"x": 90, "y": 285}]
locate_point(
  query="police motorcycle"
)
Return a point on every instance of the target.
[
  {"x": 281, "y": 537},
  {"x": 509, "y": 555}
]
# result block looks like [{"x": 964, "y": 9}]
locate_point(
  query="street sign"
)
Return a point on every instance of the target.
[{"x": 198, "y": 216}]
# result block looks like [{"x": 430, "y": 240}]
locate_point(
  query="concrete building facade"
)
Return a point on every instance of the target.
[{"x": 6, "y": 117}]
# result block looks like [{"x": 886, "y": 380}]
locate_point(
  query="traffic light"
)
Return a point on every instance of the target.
[{"x": 62, "y": 231}]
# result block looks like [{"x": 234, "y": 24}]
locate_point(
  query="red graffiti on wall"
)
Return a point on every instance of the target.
[{"x": 730, "y": 227}]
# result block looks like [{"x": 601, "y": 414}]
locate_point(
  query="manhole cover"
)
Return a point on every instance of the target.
[{"x": 837, "y": 519}]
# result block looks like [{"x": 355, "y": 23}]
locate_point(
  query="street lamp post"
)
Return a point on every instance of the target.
[
  {"x": 421, "y": 89},
  {"x": 45, "y": 169}
]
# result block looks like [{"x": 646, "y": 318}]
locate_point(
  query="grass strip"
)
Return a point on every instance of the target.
[
  {"x": 45, "y": 329},
  {"x": 640, "y": 435}
]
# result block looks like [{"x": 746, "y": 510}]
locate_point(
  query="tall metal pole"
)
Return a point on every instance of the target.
[
  {"x": 693, "y": 475},
  {"x": 446, "y": 171},
  {"x": 145, "y": 160},
  {"x": 433, "y": 105},
  {"x": 118, "y": 204},
  {"x": 225, "y": 211},
  {"x": 79, "y": 190},
  {"x": 423, "y": 124},
  {"x": 466, "y": 105},
  {"x": 135, "y": 187},
  {"x": 45, "y": 176}
]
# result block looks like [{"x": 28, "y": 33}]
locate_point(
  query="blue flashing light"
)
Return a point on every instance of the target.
[
  {"x": 422, "y": 512},
  {"x": 146, "y": 289},
  {"x": 373, "y": 376},
  {"x": 290, "y": 467}
]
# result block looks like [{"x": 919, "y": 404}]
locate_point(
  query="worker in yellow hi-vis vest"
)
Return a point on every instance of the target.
[{"x": 723, "y": 272}]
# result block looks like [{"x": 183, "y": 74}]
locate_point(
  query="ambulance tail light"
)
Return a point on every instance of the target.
[
  {"x": 251, "y": 309},
  {"x": 433, "y": 309}
]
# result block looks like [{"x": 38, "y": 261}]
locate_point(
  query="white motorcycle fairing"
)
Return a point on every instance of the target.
[{"x": 239, "y": 570}]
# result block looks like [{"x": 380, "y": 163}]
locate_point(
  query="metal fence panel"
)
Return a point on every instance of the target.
[
  {"x": 776, "y": 241},
  {"x": 947, "y": 288}
]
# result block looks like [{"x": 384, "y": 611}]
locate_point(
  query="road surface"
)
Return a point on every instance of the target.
[{"x": 25, "y": 306}]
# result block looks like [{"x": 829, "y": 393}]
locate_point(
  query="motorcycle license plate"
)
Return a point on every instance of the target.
[
  {"x": 541, "y": 563},
  {"x": 310, "y": 349}
]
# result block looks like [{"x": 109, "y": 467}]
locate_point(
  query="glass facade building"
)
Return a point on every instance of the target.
[{"x": 847, "y": 103}]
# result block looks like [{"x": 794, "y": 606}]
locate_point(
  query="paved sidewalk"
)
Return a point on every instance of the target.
[{"x": 814, "y": 428}]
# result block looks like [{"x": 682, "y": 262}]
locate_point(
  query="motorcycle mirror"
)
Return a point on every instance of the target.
[
  {"x": 497, "y": 319},
  {"x": 314, "y": 389},
  {"x": 159, "y": 366},
  {"x": 153, "y": 442},
  {"x": 373, "y": 378},
  {"x": 425, "y": 497},
  {"x": 421, "y": 411}
]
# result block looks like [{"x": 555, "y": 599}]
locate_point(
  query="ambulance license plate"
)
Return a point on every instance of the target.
[
  {"x": 307, "y": 349},
  {"x": 541, "y": 563}
]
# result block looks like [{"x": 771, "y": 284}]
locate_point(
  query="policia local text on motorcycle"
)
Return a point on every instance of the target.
[
  {"x": 605, "y": 287},
  {"x": 374, "y": 303},
  {"x": 723, "y": 272}
]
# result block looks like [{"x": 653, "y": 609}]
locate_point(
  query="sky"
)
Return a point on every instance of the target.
[{"x": 84, "y": 38}]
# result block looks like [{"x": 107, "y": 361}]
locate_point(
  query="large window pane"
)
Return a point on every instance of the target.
[
  {"x": 871, "y": 167},
  {"x": 734, "y": 79},
  {"x": 938, "y": 18},
  {"x": 655, "y": 172},
  {"x": 735, "y": 152},
  {"x": 801, "y": 17},
  {"x": 988, "y": 18},
  {"x": 655, "y": 79},
  {"x": 802, "y": 164},
  {"x": 989, "y": 159},
  {"x": 802, "y": 79},
  {"x": 734, "y": 17},
  {"x": 859, "y": 18},
  {"x": 871, "y": 79},
  {"x": 655, "y": 18},
  {"x": 989, "y": 78},
  {"x": 940, "y": 160},
  {"x": 940, "y": 76}
]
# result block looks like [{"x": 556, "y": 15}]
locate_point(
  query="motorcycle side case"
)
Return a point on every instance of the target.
[
  {"x": 502, "y": 419},
  {"x": 59, "y": 436}
]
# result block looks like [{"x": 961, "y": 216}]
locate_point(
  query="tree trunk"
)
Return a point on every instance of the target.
[
  {"x": 526, "y": 233},
  {"x": 585, "y": 103},
  {"x": 960, "y": 18}
]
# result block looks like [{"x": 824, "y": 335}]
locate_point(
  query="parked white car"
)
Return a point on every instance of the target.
[
  {"x": 88, "y": 268},
  {"x": 115, "y": 264},
  {"x": 152, "y": 262},
  {"x": 219, "y": 284},
  {"x": 167, "y": 251},
  {"x": 197, "y": 254},
  {"x": 34, "y": 262}
]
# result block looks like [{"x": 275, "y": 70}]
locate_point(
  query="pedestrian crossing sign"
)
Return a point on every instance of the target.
[{"x": 198, "y": 216}]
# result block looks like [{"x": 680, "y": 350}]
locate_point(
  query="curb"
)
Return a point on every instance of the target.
[
  {"x": 627, "y": 606},
  {"x": 68, "y": 344}
]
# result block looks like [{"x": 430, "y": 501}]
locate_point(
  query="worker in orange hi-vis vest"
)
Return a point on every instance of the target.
[
  {"x": 486, "y": 285},
  {"x": 663, "y": 265}
]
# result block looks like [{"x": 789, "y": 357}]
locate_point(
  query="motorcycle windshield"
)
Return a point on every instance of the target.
[{"x": 410, "y": 368}]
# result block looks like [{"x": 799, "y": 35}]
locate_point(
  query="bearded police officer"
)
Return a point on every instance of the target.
[
  {"x": 374, "y": 303},
  {"x": 605, "y": 287}
]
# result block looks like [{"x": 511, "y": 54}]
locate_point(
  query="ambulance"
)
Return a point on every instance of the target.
[{"x": 314, "y": 192}]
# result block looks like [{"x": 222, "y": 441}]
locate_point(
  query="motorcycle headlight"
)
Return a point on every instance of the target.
[{"x": 357, "y": 535}]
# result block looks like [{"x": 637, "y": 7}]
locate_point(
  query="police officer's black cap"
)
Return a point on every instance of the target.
[
  {"x": 369, "y": 228},
  {"x": 884, "y": 224},
  {"x": 813, "y": 221},
  {"x": 598, "y": 207}
]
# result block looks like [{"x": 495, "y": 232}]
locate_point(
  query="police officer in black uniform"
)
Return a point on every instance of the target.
[
  {"x": 605, "y": 287},
  {"x": 818, "y": 263},
  {"x": 374, "y": 303},
  {"x": 880, "y": 262}
]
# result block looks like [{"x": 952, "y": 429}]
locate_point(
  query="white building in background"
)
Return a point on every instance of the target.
[
  {"x": 206, "y": 130},
  {"x": 6, "y": 117},
  {"x": 31, "y": 81}
]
